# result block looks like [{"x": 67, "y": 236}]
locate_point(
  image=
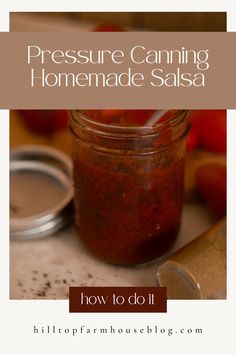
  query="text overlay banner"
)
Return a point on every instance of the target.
[
  {"x": 118, "y": 299},
  {"x": 133, "y": 70}
]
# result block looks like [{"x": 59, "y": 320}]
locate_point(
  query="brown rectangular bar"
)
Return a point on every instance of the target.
[
  {"x": 16, "y": 74},
  {"x": 117, "y": 299}
]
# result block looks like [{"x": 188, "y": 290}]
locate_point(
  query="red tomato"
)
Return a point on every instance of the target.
[
  {"x": 210, "y": 126},
  {"x": 192, "y": 139},
  {"x": 211, "y": 184},
  {"x": 44, "y": 121},
  {"x": 108, "y": 27}
]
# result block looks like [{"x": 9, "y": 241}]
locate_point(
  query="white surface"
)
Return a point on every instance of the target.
[{"x": 45, "y": 268}]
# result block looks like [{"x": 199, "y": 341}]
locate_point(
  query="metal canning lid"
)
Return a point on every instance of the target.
[
  {"x": 42, "y": 153},
  {"x": 41, "y": 192}
]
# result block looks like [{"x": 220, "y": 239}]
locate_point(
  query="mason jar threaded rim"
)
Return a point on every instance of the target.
[
  {"x": 129, "y": 139},
  {"x": 111, "y": 129}
]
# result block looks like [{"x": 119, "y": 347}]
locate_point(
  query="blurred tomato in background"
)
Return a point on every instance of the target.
[
  {"x": 109, "y": 27},
  {"x": 44, "y": 121},
  {"x": 207, "y": 130},
  {"x": 211, "y": 184}
]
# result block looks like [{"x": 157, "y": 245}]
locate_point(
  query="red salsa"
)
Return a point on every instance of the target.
[{"x": 128, "y": 200}]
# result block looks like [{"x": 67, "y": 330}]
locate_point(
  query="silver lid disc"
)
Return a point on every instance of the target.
[
  {"x": 41, "y": 197},
  {"x": 42, "y": 153}
]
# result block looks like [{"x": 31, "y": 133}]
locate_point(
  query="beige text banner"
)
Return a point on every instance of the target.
[{"x": 174, "y": 70}]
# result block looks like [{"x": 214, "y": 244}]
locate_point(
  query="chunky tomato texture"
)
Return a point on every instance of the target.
[
  {"x": 120, "y": 117},
  {"x": 44, "y": 121},
  {"x": 208, "y": 130},
  {"x": 211, "y": 184},
  {"x": 127, "y": 213},
  {"x": 108, "y": 116},
  {"x": 136, "y": 117}
]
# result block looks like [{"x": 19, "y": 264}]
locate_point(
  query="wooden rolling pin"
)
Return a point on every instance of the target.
[{"x": 198, "y": 270}]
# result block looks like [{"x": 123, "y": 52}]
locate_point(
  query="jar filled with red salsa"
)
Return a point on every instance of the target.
[{"x": 128, "y": 179}]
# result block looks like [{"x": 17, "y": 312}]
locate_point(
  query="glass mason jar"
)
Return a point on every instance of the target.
[{"x": 128, "y": 186}]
